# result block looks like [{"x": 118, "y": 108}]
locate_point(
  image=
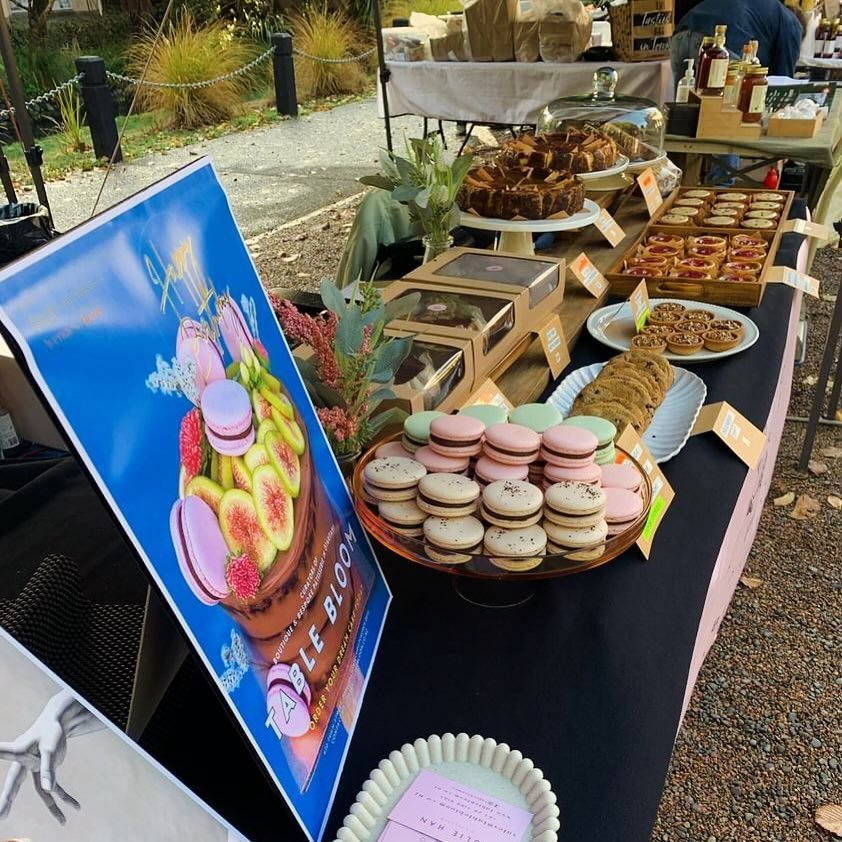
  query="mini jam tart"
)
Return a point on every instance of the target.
[
  {"x": 692, "y": 327},
  {"x": 646, "y": 271},
  {"x": 721, "y": 340},
  {"x": 734, "y": 278},
  {"x": 721, "y": 222},
  {"x": 738, "y": 268},
  {"x": 672, "y": 219},
  {"x": 747, "y": 255},
  {"x": 685, "y": 343},
  {"x": 665, "y": 317},
  {"x": 711, "y": 240},
  {"x": 754, "y": 241},
  {"x": 689, "y": 274},
  {"x": 669, "y": 307},
  {"x": 701, "y": 263},
  {"x": 660, "y": 330},
  {"x": 666, "y": 240},
  {"x": 699, "y": 316},
  {"x": 727, "y": 324},
  {"x": 759, "y": 224},
  {"x": 660, "y": 250},
  {"x": 697, "y": 194},
  {"x": 649, "y": 342},
  {"x": 648, "y": 260},
  {"x": 706, "y": 253}
]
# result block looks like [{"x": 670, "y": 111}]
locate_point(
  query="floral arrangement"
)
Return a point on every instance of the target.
[
  {"x": 353, "y": 364},
  {"x": 427, "y": 181}
]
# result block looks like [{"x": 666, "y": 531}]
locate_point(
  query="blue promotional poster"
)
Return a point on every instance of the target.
[{"x": 150, "y": 335}]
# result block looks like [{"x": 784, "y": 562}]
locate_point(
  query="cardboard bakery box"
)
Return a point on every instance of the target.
[
  {"x": 495, "y": 271},
  {"x": 492, "y": 322}
]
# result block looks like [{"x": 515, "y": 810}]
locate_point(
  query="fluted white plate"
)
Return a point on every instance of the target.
[
  {"x": 481, "y": 763},
  {"x": 674, "y": 419},
  {"x": 619, "y": 167}
]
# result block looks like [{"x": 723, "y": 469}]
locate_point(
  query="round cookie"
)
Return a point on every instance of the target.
[
  {"x": 456, "y": 435},
  {"x": 588, "y": 474},
  {"x": 448, "y": 539},
  {"x": 623, "y": 475},
  {"x": 617, "y": 413},
  {"x": 568, "y": 447},
  {"x": 622, "y": 508},
  {"x": 416, "y": 429},
  {"x": 487, "y": 471},
  {"x": 404, "y": 517},
  {"x": 511, "y": 504},
  {"x": 537, "y": 416},
  {"x": 604, "y": 431},
  {"x": 436, "y": 463},
  {"x": 511, "y": 444},
  {"x": 488, "y": 413},
  {"x": 574, "y": 504},
  {"x": 392, "y": 448},
  {"x": 448, "y": 495},
  {"x": 516, "y": 550},
  {"x": 590, "y": 537},
  {"x": 393, "y": 479}
]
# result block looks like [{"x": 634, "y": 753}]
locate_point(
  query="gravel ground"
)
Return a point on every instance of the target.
[{"x": 760, "y": 747}]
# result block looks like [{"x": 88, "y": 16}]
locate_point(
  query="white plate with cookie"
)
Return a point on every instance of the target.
[
  {"x": 673, "y": 421},
  {"x": 613, "y": 326}
]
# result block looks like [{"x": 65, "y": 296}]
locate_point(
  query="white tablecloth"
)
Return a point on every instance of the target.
[{"x": 509, "y": 93}]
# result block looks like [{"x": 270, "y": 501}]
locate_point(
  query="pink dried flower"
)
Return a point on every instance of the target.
[
  {"x": 339, "y": 425},
  {"x": 243, "y": 576}
]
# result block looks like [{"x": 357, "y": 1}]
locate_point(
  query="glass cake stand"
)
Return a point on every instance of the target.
[{"x": 478, "y": 567}]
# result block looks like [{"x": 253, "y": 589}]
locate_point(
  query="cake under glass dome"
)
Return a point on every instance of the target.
[{"x": 635, "y": 123}]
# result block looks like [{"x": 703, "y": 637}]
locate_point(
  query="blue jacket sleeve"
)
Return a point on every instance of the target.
[{"x": 788, "y": 47}]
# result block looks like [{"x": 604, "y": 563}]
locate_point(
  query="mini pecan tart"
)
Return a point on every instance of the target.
[
  {"x": 669, "y": 307},
  {"x": 659, "y": 330},
  {"x": 685, "y": 343},
  {"x": 699, "y": 316},
  {"x": 665, "y": 317},
  {"x": 649, "y": 342},
  {"x": 727, "y": 324},
  {"x": 721, "y": 340},
  {"x": 692, "y": 327}
]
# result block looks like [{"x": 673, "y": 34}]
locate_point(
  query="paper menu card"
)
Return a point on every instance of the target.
[{"x": 446, "y": 810}]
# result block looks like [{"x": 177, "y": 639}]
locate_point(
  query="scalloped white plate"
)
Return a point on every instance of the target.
[
  {"x": 483, "y": 764},
  {"x": 674, "y": 419},
  {"x": 619, "y": 167}
]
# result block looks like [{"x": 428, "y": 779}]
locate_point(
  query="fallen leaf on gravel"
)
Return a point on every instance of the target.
[
  {"x": 810, "y": 380},
  {"x": 784, "y": 500},
  {"x": 828, "y": 298},
  {"x": 831, "y": 453},
  {"x": 816, "y": 468},
  {"x": 751, "y": 582},
  {"x": 291, "y": 259},
  {"x": 829, "y": 816},
  {"x": 806, "y": 507},
  {"x": 834, "y": 502}
]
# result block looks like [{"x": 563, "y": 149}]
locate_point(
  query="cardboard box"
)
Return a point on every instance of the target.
[
  {"x": 479, "y": 269},
  {"x": 795, "y": 128},
  {"x": 492, "y": 322}
]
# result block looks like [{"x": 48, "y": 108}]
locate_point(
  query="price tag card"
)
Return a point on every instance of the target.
[
  {"x": 809, "y": 229},
  {"x": 793, "y": 278},
  {"x": 639, "y": 303},
  {"x": 490, "y": 393},
  {"x": 651, "y": 192},
  {"x": 608, "y": 227},
  {"x": 588, "y": 275},
  {"x": 555, "y": 346},
  {"x": 736, "y": 431},
  {"x": 662, "y": 491}
]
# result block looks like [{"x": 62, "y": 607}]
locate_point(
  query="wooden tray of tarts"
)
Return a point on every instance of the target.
[{"x": 717, "y": 263}]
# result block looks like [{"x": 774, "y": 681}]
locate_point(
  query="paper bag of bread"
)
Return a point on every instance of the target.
[
  {"x": 564, "y": 31},
  {"x": 525, "y": 31},
  {"x": 490, "y": 24}
]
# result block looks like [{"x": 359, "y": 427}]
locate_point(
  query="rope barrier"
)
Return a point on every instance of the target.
[
  {"x": 41, "y": 99},
  {"x": 348, "y": 60}
]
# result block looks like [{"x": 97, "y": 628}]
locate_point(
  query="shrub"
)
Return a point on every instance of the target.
[
  {"x": 330, "y": 35},
  {"x": 71, "y": 123},
  {"x": 404, "y": 8},
  {"x": 187, "y": 53}
]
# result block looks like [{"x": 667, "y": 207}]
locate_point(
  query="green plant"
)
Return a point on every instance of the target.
[
  {"x": 427, "y": 181},
  {"x": 190, "y": 53},
  {"x": 71, "y": 123},
  {"x": 326, "y": 35},
  {"x": 404, "y": 8},
  {"x": 353, "y": 365}
]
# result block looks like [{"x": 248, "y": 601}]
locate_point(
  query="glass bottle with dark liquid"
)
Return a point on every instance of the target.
[
  {"x": 714, "y": 66},
  {"x": 707, "y": 41}
]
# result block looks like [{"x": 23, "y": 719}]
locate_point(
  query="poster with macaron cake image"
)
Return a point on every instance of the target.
[{"x": 149, "y": 334}]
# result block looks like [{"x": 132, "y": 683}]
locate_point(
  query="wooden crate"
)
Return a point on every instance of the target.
[
  {"x": 642, "y": 29},
  {"x": 727, "y": 293},
  {"x": 795, "y": 128},
  {"x": 722, "y": 122}
]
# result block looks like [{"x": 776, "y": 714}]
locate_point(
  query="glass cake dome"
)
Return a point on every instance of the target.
[{"x": 635, "y": 123}]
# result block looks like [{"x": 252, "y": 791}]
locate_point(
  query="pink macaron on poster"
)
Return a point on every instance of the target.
[{"x": 149, "y": 334}]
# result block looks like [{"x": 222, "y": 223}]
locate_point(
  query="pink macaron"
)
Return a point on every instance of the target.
[
  {"x": 487, "y": 471},
  {"x": 392, "y": 448},
  {"x": 568, "y": 447},
  {"x": 227, "y": 413},
  {"x": 512, "y": 444},
  {"x": 436, "y": 463},
  {"x": 622, "y": 508},
  {"x": 288, "y": 708},
  {"x": 193, "y": 345},
  {"x": 621, "y": 475},
  {"x": 589, "y": 474},
  {"x": 456, "y": 435},
  {"x": 200, "y": 549}
]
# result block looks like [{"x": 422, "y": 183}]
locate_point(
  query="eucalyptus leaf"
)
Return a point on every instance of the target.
[
  {"x": 389, "y": 358},
  {"x": 394, "y": 415},
  {"x": 407, "y": 171},
  {"x": 380, "y": 181},
  {"x": 373, "y": 317},
  {"x": 422, "y": 198},
  {"x": 460, "y": 168},
  {"x": 405, "y": 193},
  {"x": 387, "y": 164},
  {"x": 455, "y": 217},
  {"x": 349, "y": 332},
  {"x": 332, "y": 297},
  {"x": 384, "y": 393},
  {"x": 403, "y": 307},
  {"x": 330, "y": 396}
]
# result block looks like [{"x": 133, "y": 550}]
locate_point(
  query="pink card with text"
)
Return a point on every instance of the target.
[{"x": 448, "y": 811}]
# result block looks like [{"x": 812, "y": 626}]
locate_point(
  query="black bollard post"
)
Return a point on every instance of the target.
[
  {"x": 286, "y": 100},
  {"x": 99, "y": 106}
]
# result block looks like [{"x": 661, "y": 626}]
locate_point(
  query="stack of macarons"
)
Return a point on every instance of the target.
[
  {"x": 604, "y": 431},
  {"x": 569, "y": 454},
  {"x": 450, "y": 530},
  {"x": 575, "y": 520},
  {"x": 392, "y": 479}
]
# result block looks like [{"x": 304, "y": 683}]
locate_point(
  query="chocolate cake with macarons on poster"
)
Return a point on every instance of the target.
[{"x": 148, "y": 333}]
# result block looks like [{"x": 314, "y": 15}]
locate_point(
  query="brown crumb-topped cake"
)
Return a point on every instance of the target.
[
  {"x": 507, "y": 192},
  {"x": 574, "y": 150}
]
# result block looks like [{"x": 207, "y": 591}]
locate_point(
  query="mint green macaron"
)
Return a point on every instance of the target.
[
  {"x": 537, "y": 416},
  {"x": 604, "y": 431},
  {"x": 416, "y": 429},
  {"x": 488, "y": 413}
]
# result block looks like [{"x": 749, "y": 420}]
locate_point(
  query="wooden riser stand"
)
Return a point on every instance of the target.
[{"x": 720, "y": 122}]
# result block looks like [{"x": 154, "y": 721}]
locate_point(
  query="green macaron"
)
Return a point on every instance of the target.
[
  {"x": 488, "y": 413},
  {"x": 604, "y": 431},
  {"x": 416, "y": 429},
  {"x": 537, "y": 416}
]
